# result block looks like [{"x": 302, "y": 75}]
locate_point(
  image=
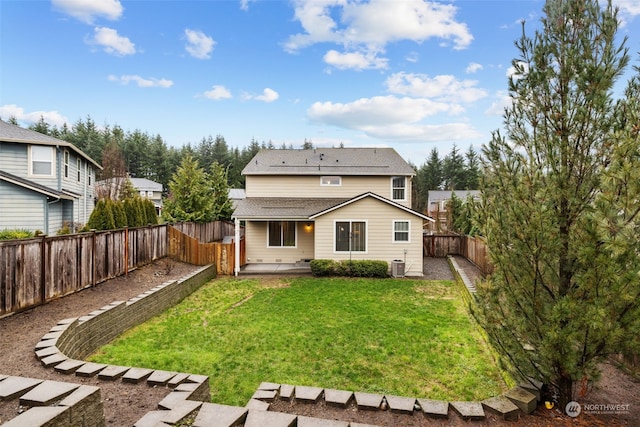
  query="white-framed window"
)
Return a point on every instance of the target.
[
  {"x": 350, "y": 236},
  {"x": 334, "y": 181},
  {"x": 281, "y": 234},
  {"x": 143, "y": 193},
  {"x": 41, "y": 160},
  {"x": 65, "y": 163},
  {"x": 399, "y": 188},
  {"x": 401, "y": 231},
  {"x": 79, "y": 168},
  {"x": 89, "y": 177}
]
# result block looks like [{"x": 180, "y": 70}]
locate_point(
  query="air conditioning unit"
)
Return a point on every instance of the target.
[{"x": 397, "y": 268}]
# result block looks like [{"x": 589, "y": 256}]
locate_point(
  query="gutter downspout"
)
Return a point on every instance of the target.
[{"x": 236, "y": 240}]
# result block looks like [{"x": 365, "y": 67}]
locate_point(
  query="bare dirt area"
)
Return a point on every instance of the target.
[{"x": 124, "y": 404}]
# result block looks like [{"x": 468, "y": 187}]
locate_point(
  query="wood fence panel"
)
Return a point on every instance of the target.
[{"x": 441, "y": 245}]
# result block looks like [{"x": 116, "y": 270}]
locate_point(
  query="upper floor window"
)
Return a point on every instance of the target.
[
  {"x": 331, "y": 180},
  {"x": 79, "y": 168},
  {"x": 41, "y": 160},
  {"x": 65, "y": 161},
  {"x": 281, "y": 234},
  {"x": 399, "y": 188}
]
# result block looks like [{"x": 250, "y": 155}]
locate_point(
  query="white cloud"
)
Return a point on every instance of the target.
[
  {"x": 199, "y": 45},
  {"x": 141, "y": 82},
  {"x": 445, "y": 88},
  {"x": 512, "y": 72},
  {"x": 88, "y": 10},
  {"x": 631, "y": 7},
  {"x": 355, "y": 60},
  {"x": 217, "y": 92},
  {"x": 244, "y": 4},
  {"x": 501, "y": 101},
  {"x": 112, "y": 42},
  {"x": 358, "y": 26},
  {"x": 473, "y": 67},
  {"x": 268, "y": 95},
  {"x": 51, "y": 117}
]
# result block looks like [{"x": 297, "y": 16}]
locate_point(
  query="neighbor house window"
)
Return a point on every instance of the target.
[
  {"x": 331, "y": 180},
  {"x": 281, "y": 234},
  {"x": 65, "y": 157},
  {"x": 79, "y": 167},
  {"x": 401, "y": 231},
  {"x": 41, "y": 160},
  {"x": 351, "y": 236},
  {"x": 398, "y": 188}
]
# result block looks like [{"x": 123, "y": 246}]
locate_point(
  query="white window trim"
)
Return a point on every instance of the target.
[
  {"x": 350, "y": 221},
  {"x": 328, "y": 184},
  {"x": 404, "y": 199},
  {"x": 393, "y": 231},
  {"x": 66, "y": 164},
  {"x": 79, "y": 167},
  {"x": 53, "y": 163},
  {"x": 295, "y": 246}
]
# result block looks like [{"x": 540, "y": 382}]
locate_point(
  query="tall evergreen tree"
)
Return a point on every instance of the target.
[
  {"x": 560, "y": 203},
  {"x": 222, "y": 206},
  {"x": 453, "y": 170},
  {"x": 190, "y": 198}
]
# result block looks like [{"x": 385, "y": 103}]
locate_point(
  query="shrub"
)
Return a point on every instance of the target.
[
  {"x": 355, "y": 268},
  {"x": 15, "y": 234}
]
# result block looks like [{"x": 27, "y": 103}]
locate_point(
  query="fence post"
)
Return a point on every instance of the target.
[
  {"x": 126, "y": 251},
  {"x": 43, "y": 269},
  {"x": 93, "y": 258}
]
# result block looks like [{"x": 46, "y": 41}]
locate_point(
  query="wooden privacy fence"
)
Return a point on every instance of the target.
[
  {"x": 472, "y": 248},
  {"x": 207, "y": 232},
  {"x": 34, "y": 271},
  {"x": 189, "y": 249}
]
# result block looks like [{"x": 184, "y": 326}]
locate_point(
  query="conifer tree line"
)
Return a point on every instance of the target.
[{"x": 148, "y": 156}]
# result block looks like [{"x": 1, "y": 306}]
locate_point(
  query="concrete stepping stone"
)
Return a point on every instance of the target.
[
  {"x": 434, "y": 408},
  {"x": 502, "y": 407},
  {"x": 136, "y": 375},
  {"x": 340, "y": 398},
  {"x": 53, "y": 360},
  {"x": 46, "y": 343},
  {"x": 90, "y": 369},
  {"x": 266, "y": 395},
  {"x": 319, "y": 422},
  {"x": 47, "y": 351},
  {"x": 269, "y": 419},
  {"x": 269, "y": 386},
  {"x": 38, "y": 416},
  {"x": 51, "y": 335},
  {"x": 69, "y": 366},
  {"x": 151, "y": 419},
  {"x": 47, "y": 392},
  {"x": 12, "y": 387},
  {"x": 308, "y": 394},
  {"x": 180, "y": 412},
  {"x": 67, "y": 321},
  {"x": 469, "y": 410},
  {"x": 160, "y": 377},
  {"x": 368, "y": 401},
  {"x": 177, "y": 380},
  {"x": 524, "y": 400},
  {"x": 533, "y": 387},
  {"x": 81, "y": 393},
  {"x": 286, "y": 391},
  {"x": 173, "y": 399},
  {"x": 215, "y": 415},
  {"x": 401, "y": 405},
  {"x": 112, "y": 372},
  {"x": 259, "y": 405}
]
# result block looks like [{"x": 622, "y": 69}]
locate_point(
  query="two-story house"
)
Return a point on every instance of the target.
[
  {"x": 45, "y": 183},
  {"x": 330, "y": 203}
]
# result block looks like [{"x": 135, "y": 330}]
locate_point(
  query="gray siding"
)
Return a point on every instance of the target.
[
  {"x": 13, "y": 158},
  {"x": 25, "y": 211}
]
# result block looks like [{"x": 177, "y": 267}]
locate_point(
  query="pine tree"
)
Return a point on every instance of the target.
[
  {"x": 222, "y": 205},
  {"x": 190, "y": 198},
  {"x": 560, "y": 203}
]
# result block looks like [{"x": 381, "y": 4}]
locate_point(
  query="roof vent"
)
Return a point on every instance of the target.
[{"x": 321, "y": 156}]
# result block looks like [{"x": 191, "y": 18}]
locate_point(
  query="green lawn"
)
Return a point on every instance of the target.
[{"x": 402, "y": 337}]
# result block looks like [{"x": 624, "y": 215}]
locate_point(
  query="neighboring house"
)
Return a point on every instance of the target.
[
  {"x": 235, "y": 195},
  {"x": 45, "y": 183},
  {"x": 151, "y": 190},
  {"x": 330, "y": 203},
  {"x": 146, "y": 188},
  {"x": 437, "y": 202}
]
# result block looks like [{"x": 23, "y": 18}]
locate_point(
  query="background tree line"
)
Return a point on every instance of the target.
[{"x": 148, "y": 156}]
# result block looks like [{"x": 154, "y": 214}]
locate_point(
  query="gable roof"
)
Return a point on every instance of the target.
[
  {"x": 145, "y": 184},
  {"x": 38, "y": 188},
  {"x": 435, "y": 196},
  {"x": 13, "y": 133},
  {"x": 329, "y": 161},
  {"x": 374, "y": 196}
]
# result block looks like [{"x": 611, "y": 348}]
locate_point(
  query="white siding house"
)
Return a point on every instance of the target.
[
  {"x": 331, "y": 203},
  {"x": 45, "y": 183}
]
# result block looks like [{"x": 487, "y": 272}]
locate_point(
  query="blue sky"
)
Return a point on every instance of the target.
[{"x": 407, "y": 74}]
